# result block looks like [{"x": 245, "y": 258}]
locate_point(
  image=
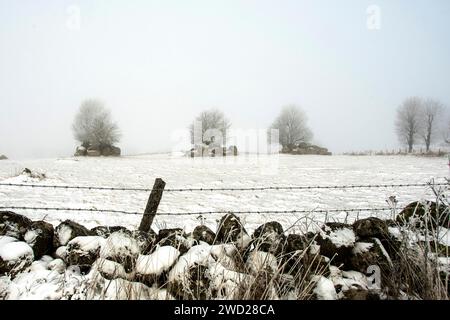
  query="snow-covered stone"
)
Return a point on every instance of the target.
[
  {"x": 121, "y": 247},
  {"x": 261, "y": 261},
  {"x": 83, "y": 251},
  {"x": 13, "y": 224},
  {"x": 66, "y": 231},
  {"x": 160, "y": 260},
  {"x": 15, "y": 257},
  {"x": 324, "y": 289}
]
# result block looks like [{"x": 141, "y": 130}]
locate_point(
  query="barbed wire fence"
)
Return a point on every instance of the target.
[{"x": 347, "y": 211}]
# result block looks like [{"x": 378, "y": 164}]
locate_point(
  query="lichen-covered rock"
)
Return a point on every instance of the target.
[
  {"x": 83, "y": 251},
  {"x": 425, "y": 213},
  {"x": 40, "y": 237},
  {"x": 68, "y": 230},
  {"x": 295, "y": 242},
  {"x": 370, "y": 228},
  {"x": 146, "y": 240},
  {"x": 122, "y": 248},
  {"x": 269, "y": 237},
  {"x": 231, "y": 230},
  {"x": 15, "y": 256},
  {"x": 105, "y": 231},
  {"x": 336, "y": 241},
  {"x": 203, "y": 233},
  {"x": 175, "y": 238},
  {"x": 370, "y": 253},
  {"x": 13, "y": 224}
]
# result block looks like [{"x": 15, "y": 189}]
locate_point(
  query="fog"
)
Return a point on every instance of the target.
[{"x": 157, "y": 64}]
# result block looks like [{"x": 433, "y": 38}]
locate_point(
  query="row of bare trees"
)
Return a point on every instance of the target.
[
  {"x": 291, "y": 124},
  {"x": 420, "y": 121},
  {"x": 93, "y": 125}
]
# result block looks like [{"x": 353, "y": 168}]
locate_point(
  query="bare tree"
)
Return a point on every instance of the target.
[
  {"x": 209, "y": 124},
  {"x": 93, "y": 125},
  {"x": 292, "y": 126},
  {"x": 431, "y": 110},
  {"x": 408, "y": 122}
]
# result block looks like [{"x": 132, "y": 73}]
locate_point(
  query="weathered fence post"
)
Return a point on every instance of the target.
[{"x": 152, "y": 205}]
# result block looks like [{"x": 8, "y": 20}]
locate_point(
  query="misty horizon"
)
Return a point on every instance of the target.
[{"x": 156, "y": 66}]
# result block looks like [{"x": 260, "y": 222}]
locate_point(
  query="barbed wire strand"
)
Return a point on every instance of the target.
[
  {"x": 194, "y": 213},
  {"x": 404, "y": 185}
]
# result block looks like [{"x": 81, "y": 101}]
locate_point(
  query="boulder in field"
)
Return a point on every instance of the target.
[
  {"x": 336, "y": 241},
  {"x": 3, "y": 157},
  {"x": 371, "y": 228},
  {"x": 68, "y": 230},
  {"x": 40, "y": 237},
  {"x": 269, "y": 237},
  {"x": 91, "y": 152},
  {"x": 115, "y": 151},
  {"x": 13, "y": 224},
  {"x": 205, "y": 234},
  {"x": 15, "y": 256},
  {"x": 80, "y": 151}
]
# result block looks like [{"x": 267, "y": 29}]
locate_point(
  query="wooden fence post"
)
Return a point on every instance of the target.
[{"x": 152, "y": 205}]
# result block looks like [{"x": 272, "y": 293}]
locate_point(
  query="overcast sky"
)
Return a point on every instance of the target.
[{"x": 157, "y": 64}]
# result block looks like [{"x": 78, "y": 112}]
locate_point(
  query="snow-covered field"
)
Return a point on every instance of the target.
[{"x": 241, "y": 171}]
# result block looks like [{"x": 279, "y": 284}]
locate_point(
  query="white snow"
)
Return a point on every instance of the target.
[
  {"x": 61, "y": 252},
  {"x": 120, "y": 289},
  {"x": 87, "y": 243},
  {"x": 183, "y": 172},
  {"x": 157, "y": 262},
  {"x": 64, "y": 233},
  {"x": 444, "y": 236},
  {"x": 111, "y": 268},
  {"x": 119, "y": 244},
  {"x": 196, "y": 255},
  {"x": 30, "y": 236},
  {"x": 260, "y": 261},
  {"x": 13, "y": 251},
  {"x": 6, "y": 239},
  {"x": 341, "y": 237},
  {"x": 324, "y": 288},
  {"x": 362, "y": 247},
  {"x": 383, "y": 250},
  {"x": 57, "y": 265},
  {"x": 226, "y": 281}
]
